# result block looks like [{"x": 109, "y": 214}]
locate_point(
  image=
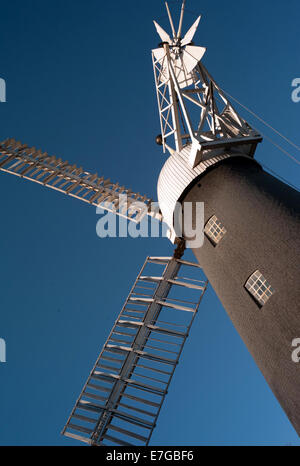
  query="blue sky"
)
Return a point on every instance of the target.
[{"x": 80, "y": 86}]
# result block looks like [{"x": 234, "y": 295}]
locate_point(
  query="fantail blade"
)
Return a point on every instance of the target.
[
  {"x": 191, "y": 56},
  {"x": 191, "y": 32},
  {"x": 162, "y": 33}
]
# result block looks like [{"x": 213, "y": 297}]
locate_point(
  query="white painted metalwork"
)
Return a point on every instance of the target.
[
  {"x": 181, "y": 81},
  {"x": 182, "y": 85},
  {"x": 31, "y": 164},
  {"x": 128, "y": 384}
]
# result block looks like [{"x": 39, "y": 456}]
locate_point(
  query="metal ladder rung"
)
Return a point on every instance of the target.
[
  {"x": 8, "y": 159},
  {"x": 107, "y": 358},
  {"x": 77, "y": 437},
  {"x": 138, "y": 410},
  {"x": 174, "y": 306},
  {"x": 127, "y": 432},
  {"x": 138, "y": 294},
  {"x": 132, "y": 419},
  {"x": 87, "y": 406},
  {"x": 105, "y": 366},
  {"x": 80, "y": 428},
  {"x": 191, "y": 264},
  {"x": 117, "y": 441},
  {"x": 93, "y": 396},
  {"x": 98, "y": 387},
  {"x": 171, "y": 323},
  {"x": 150, "y": 388},
  {"x": 104, "y": 376},
  {"x": 128, "y": 316},
  {"x": 163, "y": 303},
  {"x": 138, "y": 387},
  {"x": 185, "y": 284},
  {"x": 51, "y": 177},
  {"x": 101, "y": 377},
  {"x": 118, "y": 332},
  {"x": 153, "y": 369},
  {"x": 134, "y": 310},
  {"x": 171, "y": 343},
  {"x": 159, "y": 260},
  {"x": 28, "y": 169},
  {"x": 149, "y": 286},
  {"x": 114, "y": 377},
  {"x": 134, "y": 301},
  {"x": 156, "y": 358},
  {"x": 129, "y": 324},
  {"x": 151, "y": 279},
  {"x": 84, "y": 418},
  {"x": 143, "y": 301},
  {"x": 117, "y": 349},
  {"x": 161, "y": 349},
  {"x": 155, "y": 328},
  {"x": 19, "y": 166},
  {"x": 119, "y": 340},
  {"x": 150, "y": 378},
  {"x": 141, "y": 400}
]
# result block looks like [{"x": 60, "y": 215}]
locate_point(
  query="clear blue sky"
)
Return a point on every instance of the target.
[{"x": 80, "y": 86}]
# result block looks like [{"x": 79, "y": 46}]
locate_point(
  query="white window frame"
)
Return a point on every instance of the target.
[
  {"x": 215, "y": 230},
  {"x": 259, "y": 288}
]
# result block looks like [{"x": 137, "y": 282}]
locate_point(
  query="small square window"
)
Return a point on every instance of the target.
[
  {"x": 259, "y": 288},
  {"x": 214, "y": 230}
]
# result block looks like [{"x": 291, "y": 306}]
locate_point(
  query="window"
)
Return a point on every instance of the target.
[
  {"x": 214, "y": 230},
  {"x": 259, "y": 288}
]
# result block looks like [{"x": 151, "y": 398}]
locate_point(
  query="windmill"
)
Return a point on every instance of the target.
[{"x": 209, "y": 162}]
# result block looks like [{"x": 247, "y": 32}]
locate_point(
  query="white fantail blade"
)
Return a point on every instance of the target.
[
  {"x": 186, "y": 63},
  {"x": 192, "y": 55},
  {"x": 191, "y": 32},
  {"x": 183, "y": 64},
  {"x": 183, "y": 77},
  {"x": 162, "y": 33},
  {"x": 159, "y": 53}
]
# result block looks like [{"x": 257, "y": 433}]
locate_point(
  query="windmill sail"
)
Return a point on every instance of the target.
[
  {"x": 27, "y": 162},
  {"x": 123, "y": 395}
]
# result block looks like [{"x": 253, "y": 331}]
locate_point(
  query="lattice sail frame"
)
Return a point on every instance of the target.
[
  {"x": 34, "y": 165},
  {"x": 124, "y": 393},
  {"x": 183, "y": 85}
]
